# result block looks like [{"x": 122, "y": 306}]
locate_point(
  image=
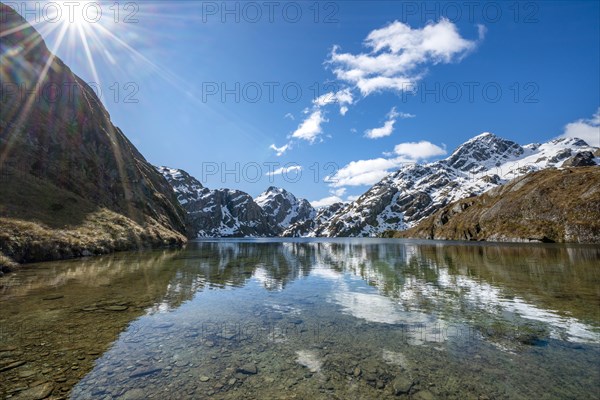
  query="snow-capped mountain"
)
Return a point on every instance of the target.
[
  {"x": 185, "y": 186},
  {"x": 416, "y": 191},
  {"x": 230, "y": 212},
  {"x": 217, "y": 212},
  {"x": 305, "y": 227},
  {"x": 284, "y": 207},
  {"x": 551, "y": 205}
]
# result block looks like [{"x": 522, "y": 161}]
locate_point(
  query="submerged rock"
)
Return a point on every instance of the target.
[
  {"x": 26, "y": 373},
  {"x": 37, "y": 392},
  {"x": 116, "y": 308},
  {"x": 134, "y": 394},
  {"x": 424, "y": 395},
  {"x": 12, "y": 365},
  {"x": 248, "y": 369},
  {"x": 402, "y": 385},
  {"x": 143, "y": 372},
  {"x": 53, "y": 297}
]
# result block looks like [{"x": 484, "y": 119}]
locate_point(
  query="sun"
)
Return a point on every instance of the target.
[
  {"x": 79, "y": 19},
  {"x": 78, "y": 14},
  {"x": 94, "y": 35}
]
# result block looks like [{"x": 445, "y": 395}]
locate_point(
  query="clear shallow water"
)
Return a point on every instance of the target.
[{"x": 307, "y": 319}]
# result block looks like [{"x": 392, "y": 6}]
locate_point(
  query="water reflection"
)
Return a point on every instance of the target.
[
  {"x": 555, "y": 284},
  {"x": 351, "y": 318}
]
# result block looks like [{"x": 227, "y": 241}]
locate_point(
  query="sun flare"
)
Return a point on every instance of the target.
[{"x": 70, "y": 15}]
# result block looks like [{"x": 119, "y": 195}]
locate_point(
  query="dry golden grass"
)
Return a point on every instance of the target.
[
  {"x": 101, "y": 232},
  {"x": 41, "y": 222}
]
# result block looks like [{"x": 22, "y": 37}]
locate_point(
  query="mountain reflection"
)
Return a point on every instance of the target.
[
  {"x": 553, "y": 277},
  {"x": 559, "y": 277},
  {"x": 65, "y": 314},
  {"x": 557, "y": 283}
]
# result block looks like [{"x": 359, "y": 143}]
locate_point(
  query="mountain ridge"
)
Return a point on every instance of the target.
[
  {"x": 398, "y": 202},
  {"x": 416, "y": 191},
  {"x": 234, "y": 213}
]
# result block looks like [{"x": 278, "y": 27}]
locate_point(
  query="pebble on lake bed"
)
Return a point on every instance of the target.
[
  {"x": 53, "y": 297},
  {"x": 116, "y": 308},
  {"x": 424, "y": 395},
  {"x": 12, "y": 365},
  {"x": 248, "y": 369},
  {"x": 37, "y": 392}
]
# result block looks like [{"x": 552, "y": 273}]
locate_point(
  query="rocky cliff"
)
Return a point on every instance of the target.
[{"x": 305, "y": 228}]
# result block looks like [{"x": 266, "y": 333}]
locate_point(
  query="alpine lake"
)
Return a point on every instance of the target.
[{"x": 306, "y": 319}]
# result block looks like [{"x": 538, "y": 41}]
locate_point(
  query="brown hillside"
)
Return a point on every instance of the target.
[
  {"x": 544, "y": 206},
  {"x": 64, "y": 164}
]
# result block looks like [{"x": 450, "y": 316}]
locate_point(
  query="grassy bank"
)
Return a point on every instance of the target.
[{"x": 101, "y": 232}]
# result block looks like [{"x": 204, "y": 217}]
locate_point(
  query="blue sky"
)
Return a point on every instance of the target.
[{"x": 409, "y": 81}]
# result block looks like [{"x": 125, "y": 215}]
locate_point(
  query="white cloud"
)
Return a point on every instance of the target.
[
  {"x": 310, "y": 128},
  {"x": 369, "y": 172},
  {"x": 397, "y": 58},
  {"x": 336, "y": 197},
  {"x": 280, "y": 150},
  {"x": 398, "y": 55},
  {"x": 385, "y": 130},
  {"x": 586, "y": 129},
  {"x": 284, "y": 170},
  {"x": 338, "y": 192},
  {"x": 388, "y": 126},
  {"x": 326, "y": 201},
  {"x": 419, "y": 150},
  {"x": 342, "y": 97},
  {"x": 352, "y": 198},
  {"x": 364, "y": 172},
  {"x": 405, "y": 115},
  {"x": 290, "y": 116}
]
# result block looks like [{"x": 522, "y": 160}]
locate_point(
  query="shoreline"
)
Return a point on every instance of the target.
[
  {"x": 7, "y": 265},
  {"x": 103, "y": 232}
]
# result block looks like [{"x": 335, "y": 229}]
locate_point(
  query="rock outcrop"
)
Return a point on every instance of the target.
[{"x": 284, "y": 207}]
